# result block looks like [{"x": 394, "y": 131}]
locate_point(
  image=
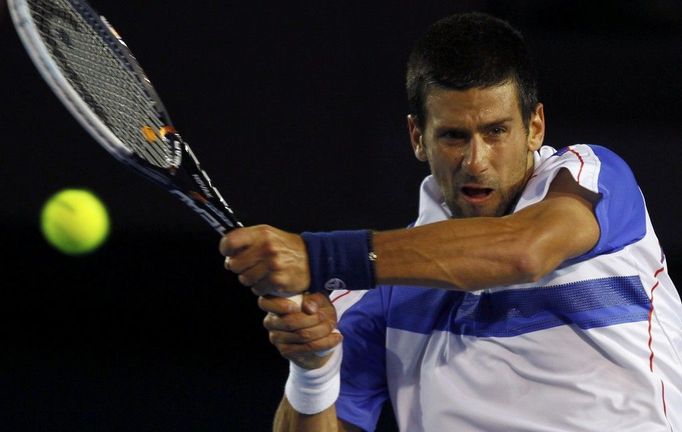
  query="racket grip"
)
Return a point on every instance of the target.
[{"x": 298, "y": 299}]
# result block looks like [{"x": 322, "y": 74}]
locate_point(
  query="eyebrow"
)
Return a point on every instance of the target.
[
  {"x": 495, "y": 123},
  {"x": 484, "y": 126}
]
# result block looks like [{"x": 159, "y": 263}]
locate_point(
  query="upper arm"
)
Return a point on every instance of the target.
[
  {"x": 560, "y": 227},
  {"x": 597, "y": 206},
  {"x": 577, "y": 214}
]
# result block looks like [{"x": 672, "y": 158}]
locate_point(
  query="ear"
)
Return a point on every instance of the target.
[
  {"x": 416, "y": 138},
  {"x": 536, "y": 128}
]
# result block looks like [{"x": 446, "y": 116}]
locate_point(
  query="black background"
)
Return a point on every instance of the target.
[{"x": 297, "y": 112}]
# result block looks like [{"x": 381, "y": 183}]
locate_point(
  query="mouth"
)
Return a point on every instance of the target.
[{"x": 476, "y": 194}]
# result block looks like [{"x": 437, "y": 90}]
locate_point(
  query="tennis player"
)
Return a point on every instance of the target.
[{"x": 531, "y": 294}]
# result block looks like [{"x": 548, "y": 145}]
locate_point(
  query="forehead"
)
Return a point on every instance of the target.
[{"x": 477, "y": 105}]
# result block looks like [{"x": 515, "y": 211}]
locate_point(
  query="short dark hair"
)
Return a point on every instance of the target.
[{"x": 470, "y": 50}]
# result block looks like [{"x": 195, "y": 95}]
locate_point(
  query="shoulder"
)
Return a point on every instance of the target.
[
  {"x": 594, "y": 167},
  {"x": 578, "y": 155},
  {"x": 620, "y": 210},
  {"x": 586, "y": 162}
]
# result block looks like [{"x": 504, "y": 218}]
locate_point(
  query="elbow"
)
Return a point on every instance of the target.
[{"x": 530, "y": 265}]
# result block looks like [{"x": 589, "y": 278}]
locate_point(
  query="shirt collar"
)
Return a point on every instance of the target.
[{"x": 432, "y": 207}]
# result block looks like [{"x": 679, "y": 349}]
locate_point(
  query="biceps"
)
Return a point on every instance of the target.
[{"x": 571, "y": 220}]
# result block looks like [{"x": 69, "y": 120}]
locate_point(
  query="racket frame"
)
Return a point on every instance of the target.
[{"x": 185, "y": 179}]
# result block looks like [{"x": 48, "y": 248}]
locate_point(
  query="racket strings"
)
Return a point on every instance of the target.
[{"x": 101, "y": 77}]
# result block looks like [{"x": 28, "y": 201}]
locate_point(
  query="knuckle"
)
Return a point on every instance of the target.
[
  {"x": 226, "y": 242},
  {"x": 276, "y": 265},
  {"x": 261, "y": 306},
  {"x": 264, "y": 232},
  {"x": 305, "y": 334},
  {"x": 269, "y": 248},
  {"x": 267, "y": 321},
  {"x": 279, "y": 279},
  {"x": 261, "y": 228},
  {"x": 313, "y": 346},
  {"x": 287, "y": 325}
]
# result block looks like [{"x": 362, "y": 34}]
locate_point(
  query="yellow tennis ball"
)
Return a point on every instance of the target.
[{"x": 75, "y": 221}]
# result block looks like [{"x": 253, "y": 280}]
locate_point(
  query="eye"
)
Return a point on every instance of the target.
[
  {"x": 455, "y": 135},
  {"x": 497, "y": 131}
]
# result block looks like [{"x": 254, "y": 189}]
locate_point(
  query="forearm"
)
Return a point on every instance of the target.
[
  {"x": 460, "y": 254},
  {"x": 287, "y": 419},
  {"x": 477, "y": 253}
]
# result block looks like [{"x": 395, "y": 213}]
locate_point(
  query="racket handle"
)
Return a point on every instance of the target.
[{"x": 298, "y": 299}]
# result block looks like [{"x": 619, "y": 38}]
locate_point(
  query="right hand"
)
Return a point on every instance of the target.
[
  {"x": 300, "y": 332},
  {"x": 268, "y": 260}
]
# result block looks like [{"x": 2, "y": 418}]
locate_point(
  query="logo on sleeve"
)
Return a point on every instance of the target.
[{"x": 335, "y": 284}]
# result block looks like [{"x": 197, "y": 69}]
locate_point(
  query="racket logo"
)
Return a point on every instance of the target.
[
  {"x": 201, "y": 212},
  {"x": 200, "y": 182},
  {"x": 170, "y": 136}
]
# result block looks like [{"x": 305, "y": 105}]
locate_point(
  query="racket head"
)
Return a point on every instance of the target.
[{"x": 95, "y": 75}]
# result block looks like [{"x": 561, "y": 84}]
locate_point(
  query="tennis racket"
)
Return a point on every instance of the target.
[{"x": 93, "y": 72}]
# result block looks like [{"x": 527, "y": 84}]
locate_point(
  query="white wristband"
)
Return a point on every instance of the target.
[{"x": 311, "y": 391}]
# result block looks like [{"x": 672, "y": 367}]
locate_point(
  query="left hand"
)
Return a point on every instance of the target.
[
  {"x": 301, "y": 334},
  {"x": 269, "y": 260}
]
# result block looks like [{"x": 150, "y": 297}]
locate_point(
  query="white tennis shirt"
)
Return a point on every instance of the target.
[{"x": 593, "y": 346}]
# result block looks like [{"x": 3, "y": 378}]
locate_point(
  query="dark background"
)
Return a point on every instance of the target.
[{"x": 297, "y": 112}]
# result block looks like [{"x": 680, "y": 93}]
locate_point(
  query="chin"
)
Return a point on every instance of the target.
[{"x": 468, "y": 211}]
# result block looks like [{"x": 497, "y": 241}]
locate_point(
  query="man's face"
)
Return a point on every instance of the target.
[{"x": 478, "y": 149}]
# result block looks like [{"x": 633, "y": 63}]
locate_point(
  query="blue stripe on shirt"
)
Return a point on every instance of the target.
[{"x": 586, "y": 304}]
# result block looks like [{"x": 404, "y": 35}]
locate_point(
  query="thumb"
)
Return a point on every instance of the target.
[
  {"x": 313, "y": 303},
  {"x": 310, "y": 305}
]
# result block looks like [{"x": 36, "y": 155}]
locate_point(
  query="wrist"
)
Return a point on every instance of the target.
[
  {"x": 340, "y": 260},
  {"x": 311, "y": 391}
]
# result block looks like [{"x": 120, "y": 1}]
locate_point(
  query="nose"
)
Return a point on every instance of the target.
[{"x": 475, "y": 159}]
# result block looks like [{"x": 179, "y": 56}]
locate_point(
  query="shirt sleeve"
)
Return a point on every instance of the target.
[
  {"x": 363, "y": 370},
  {"x": 620, "y": 210}
]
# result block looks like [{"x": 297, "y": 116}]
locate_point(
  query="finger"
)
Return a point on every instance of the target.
[
  {"x": 278, "y": 305},
  {"x": 316, "y": 301},
  {"x": 235, "y": 240},
  {"x": 264, "y": 280},
  {"x": 227, "y": 245},
  {"x": 258, "y": 252},
  {"x": 292, "y": 351},
  {"x": 293, "y": 322},
  {"x": 281, "y": 305},
  {"x": 302, "y": 336},
  {"x": 252, "y": 275},
  {"x": 243, "y": 261}
]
